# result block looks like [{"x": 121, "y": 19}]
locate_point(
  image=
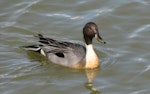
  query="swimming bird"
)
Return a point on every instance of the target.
[{"x": 71, "y": 54}]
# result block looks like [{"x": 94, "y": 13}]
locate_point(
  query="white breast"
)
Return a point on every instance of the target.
[{"x": 92, "y": 60}]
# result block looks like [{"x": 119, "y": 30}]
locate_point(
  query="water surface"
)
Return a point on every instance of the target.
[{"x": 123, "y": 24}]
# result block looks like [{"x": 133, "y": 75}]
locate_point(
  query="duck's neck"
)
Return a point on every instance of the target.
[{"x": 92, "y": 60}]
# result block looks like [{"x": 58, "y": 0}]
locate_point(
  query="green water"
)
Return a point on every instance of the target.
[{"x": 123, "y": 24}]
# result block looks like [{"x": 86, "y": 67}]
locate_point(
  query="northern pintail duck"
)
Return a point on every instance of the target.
[{"x": 70, "y": 54}]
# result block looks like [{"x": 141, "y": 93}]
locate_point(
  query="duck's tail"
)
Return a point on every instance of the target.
[{"x": 35, "y": 48}]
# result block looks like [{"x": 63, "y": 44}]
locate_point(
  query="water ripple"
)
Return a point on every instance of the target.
[
  {"x": 83, "y": 2},
  {"x": 99, "y": 12},
  {"x": 6, "y": 24},
  {"x": 63, "y": 15},
  {"x": 23, "y": 10},
  {"x": 146, "y": 69},
  {"x": 142, "y": 28},
  {"x": 87, "y": 14}
]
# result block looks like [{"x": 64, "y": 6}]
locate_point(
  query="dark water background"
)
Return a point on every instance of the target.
[{"x": 125, "y": 59}]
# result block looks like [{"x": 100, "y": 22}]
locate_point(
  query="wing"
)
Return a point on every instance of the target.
[
  {"x": 52, "y": 42},
  {"x": 51, "y": 45},
  {"x": 60, "y": 52}
]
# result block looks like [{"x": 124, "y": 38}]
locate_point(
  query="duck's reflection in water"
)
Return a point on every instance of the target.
[
  {"x": 91, "y": 74},
  {"x": 34, "y": 56}
]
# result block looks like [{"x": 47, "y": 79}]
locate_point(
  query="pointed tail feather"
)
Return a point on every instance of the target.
[
  {"x": 32, "y": 48},
  {"x": 35, "y": 48}
]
